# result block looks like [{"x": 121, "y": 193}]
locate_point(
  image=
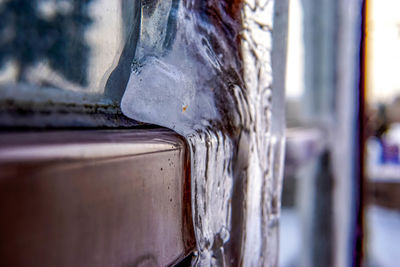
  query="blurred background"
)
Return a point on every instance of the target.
[{"x": 306, "y": 179}]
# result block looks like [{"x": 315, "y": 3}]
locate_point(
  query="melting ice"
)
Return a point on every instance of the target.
[{"x": 202, "y": 68}]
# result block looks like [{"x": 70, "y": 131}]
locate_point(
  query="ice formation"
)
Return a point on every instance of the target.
[{"x": 203, "y": 69}]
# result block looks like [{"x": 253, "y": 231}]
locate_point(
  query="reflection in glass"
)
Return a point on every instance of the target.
[{"x": 64, "y": 50}]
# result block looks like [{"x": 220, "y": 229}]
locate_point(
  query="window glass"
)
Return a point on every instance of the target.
[
  {"x": 65, "y": 51},
  {"x": 382, "y": 215}
]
